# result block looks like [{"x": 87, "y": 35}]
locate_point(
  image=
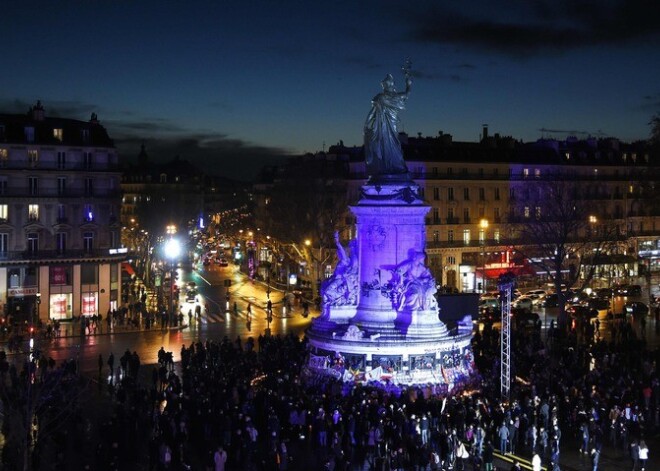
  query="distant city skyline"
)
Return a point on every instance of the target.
[{"x": 233, "y": 85}]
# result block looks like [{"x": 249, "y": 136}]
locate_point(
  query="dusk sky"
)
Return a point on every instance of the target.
[{"x": 232, "y": 84}]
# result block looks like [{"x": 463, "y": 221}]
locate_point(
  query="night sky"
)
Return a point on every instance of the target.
[{"x": 222, "y": 81}]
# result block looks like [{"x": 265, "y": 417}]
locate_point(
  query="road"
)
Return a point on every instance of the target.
[{"x": 215, "y": 322}]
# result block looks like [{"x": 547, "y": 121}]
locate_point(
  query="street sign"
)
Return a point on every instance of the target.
[{"x": 19, "y": 292}]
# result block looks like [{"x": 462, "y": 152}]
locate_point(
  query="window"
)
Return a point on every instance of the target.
[
  {"x": 436, "y": 236},
  {"x": 451, "y": 260},
  {"x": 87, "y": 160},
  {"x": 525, "y": 172},
  {"x": 61, "y": 213},
  {"x": 33, "y": 242},
  {"x": 88, "y": 241},
  {"x": 29, "y": 133},
  {"x": 481, "y": 173},
  {"x": 466, "y": 194},
  {"x": 113, "y": 239},
  {"x": 33, "y": 185},
  {"x": 466, "y": 236},
  {"x": 57, "y": 134},
  {"x": 537, "y": 173},
  {"x": 3, "y": 185},
  {"x": 89, "y": 186},
  {"x": 33, "y": 212},
  {"x": 482, "y": 194},
  {"x": 88, "y": 213},
  {"x": 537, "y": 212},
  {"x": 436, "y": 193},
  {"x": 450, "y": 235},
  {"x": 4, "y": 157},
  {"x": 450, "y": 171},
  {"x": 84, "y": 134},
  {"x": 61, "y": 186},
  {"x": 482, "y": 236},
  {"x": 436, "y": 216},
  {"x": 496, "y": 213},
  {"x": 497, "y": 194},
  {"x": 496, "y": 235},
  {"x": 526, "y": 212},
  {"x": 33, "y": 157},
  {"x": 482, "y": 212},
  {"x": 61, "y": 160},
  {"x": 512, "y": 193},
  {"x": 4, "y": 244},
  {"x": 4, "y": 212},
  {"x": 450, "y": 214},
  {"x": 450, "y": 194},
  {"x": 163, "y": 178},
  {"x": 466, "y": 214},
  {"x": 60, "y": 240}
]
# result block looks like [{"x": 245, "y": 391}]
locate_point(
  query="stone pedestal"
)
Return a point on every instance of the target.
[{"x": 393, "y": 318}]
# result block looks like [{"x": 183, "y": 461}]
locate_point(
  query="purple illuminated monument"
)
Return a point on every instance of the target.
[{"x": 380, "y": 320}]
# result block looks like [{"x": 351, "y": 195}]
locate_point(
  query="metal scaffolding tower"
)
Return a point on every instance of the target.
[{"x": 505, "y": 284}]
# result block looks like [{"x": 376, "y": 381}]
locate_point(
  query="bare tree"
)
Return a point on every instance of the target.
[
  {"x": 557, "y": 228},
  {"x": 37, "y": 404}
]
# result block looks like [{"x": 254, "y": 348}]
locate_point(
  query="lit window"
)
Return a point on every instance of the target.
[
  {"x": 33, "y": 212},
  {"x": 4, "y": 212},
  {"x": 525, "y": 172},
  {"x": 466, "y": 236},
  {"x": 4, "y": 157},
  {"x": 526, "y": 211},
  {"x": 57, "y": 134},
  {"x": 537, "y": 212},
  {"x": 482, "y": 235},
  {"x": 496, "y": 235},
  {"x": 88, "y": 213},
  {"x": 537, "y": 173}
]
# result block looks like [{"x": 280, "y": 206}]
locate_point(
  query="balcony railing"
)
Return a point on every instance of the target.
[
  {"x": 53, "y": 165},
  {"x": 55, "y": 254},
  {"x": 58, "y": 193}
]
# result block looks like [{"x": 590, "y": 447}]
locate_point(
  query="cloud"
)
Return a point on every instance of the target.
[
  {"x": 522, "y": 29},
  {"x": 54, "y": 108},
  {"x": 213, "y": 153},
  {"x": 436, "y": 76}
]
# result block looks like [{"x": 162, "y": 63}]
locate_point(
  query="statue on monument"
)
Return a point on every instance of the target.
[
  {"x": 342, "y": 287},
  {"x": 414, "y": 283},
  {"x": 382, "y": 148}
]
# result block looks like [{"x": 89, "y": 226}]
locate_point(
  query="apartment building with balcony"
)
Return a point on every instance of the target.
[
  {"x": 480, "y": 192},
  {"x": 60, "y": 203}
]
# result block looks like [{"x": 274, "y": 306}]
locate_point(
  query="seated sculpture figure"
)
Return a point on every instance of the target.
[
  {"x": 341, "y": 288},
  {"x": 414, "y": 283}
]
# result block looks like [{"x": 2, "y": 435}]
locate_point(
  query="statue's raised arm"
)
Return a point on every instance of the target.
[{"x": 382, "y": 148}]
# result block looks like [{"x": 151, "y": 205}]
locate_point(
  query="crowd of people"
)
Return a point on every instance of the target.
[{"x": 234, "y": 404}]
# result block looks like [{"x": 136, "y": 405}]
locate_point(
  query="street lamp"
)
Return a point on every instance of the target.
[
  {"x": 483, "y": 224},
  {"x": 172, "y": 250}
]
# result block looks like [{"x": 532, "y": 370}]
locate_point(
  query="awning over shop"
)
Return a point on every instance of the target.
[{"x": 125, "y": 266}]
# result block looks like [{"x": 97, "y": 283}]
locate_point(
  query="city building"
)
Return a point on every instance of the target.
[
  {"x": 60, "y": 200},
  {"x": 482, "y": 192}
]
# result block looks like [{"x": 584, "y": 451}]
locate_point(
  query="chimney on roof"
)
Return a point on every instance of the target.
[
  {"x": 37, "y": 111},
  {"x": 484, "y": 136},
  {"x": 94, "y": 119}
]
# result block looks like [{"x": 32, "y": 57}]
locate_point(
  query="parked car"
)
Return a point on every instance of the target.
[
  {"x": 536, "y": 292},
  {"x": 636, "y": 308},
  {"x": 523, "y": 302},
  {"x": 493, "y": 303},
  {"x": 581, "y": 311}
]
